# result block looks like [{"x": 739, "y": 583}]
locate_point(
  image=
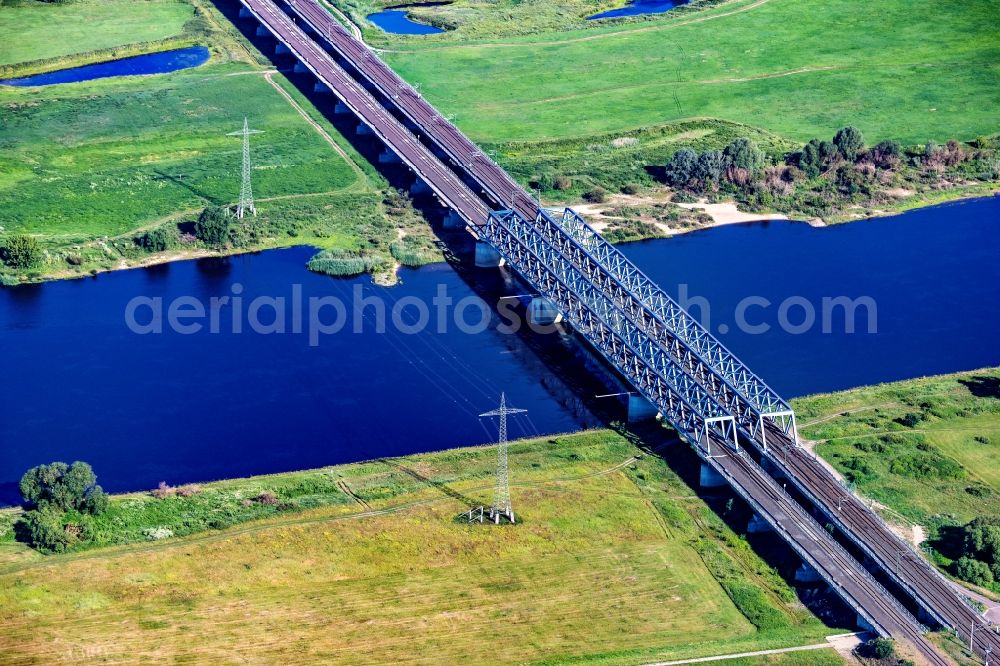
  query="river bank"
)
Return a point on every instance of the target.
[{"x": 603, "y": 217}]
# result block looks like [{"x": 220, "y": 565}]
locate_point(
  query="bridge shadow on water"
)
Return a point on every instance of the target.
[{"x": 565, "y": 363}]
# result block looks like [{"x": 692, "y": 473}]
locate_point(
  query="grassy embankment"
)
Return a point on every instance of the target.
[
  {"x": 39, "y": 36},
  {"x": 87, "y": 168},
  {"x": 927, "y": 450},
  {"x": 616, "y": 560},
  {"x": 780, "y": 71}
]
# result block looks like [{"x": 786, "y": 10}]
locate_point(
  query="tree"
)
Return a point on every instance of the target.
[
  {"x": 710, "y": 167},
  {"x": 63, "y": 487},
  {"x": 981, "y": 539},
  {"x": 212, "y": 226},
  {"x": 743, "y": 153},
  {"x": 21, "y": 251},
  {"x": 596, "y": 195},
  {"x": 974, "y": 571},
  {"x": 681, "y": 167},
  {"x": 849, "y": 142}
]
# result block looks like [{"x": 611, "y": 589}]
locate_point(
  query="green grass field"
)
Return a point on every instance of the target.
[
  {"x": 615, "y": 561},
  {"x": 45, "y": 30},
  {"x": 947, "y": 463},
  {"x": 893, "y": 68},
  {"x": 99, "y": 159}
]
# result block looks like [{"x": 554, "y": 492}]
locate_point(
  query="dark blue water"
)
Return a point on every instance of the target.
[
  {"x": 151, "y": 63},
  {"x": 397, "y": 22},
  {"x": 185, "y": 407},
  {"x": 934, "y": 275},
  {"x": 639, "y": 7}
]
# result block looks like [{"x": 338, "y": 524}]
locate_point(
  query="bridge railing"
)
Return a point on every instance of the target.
[
  {"x": 654, "y": 328},
  {"x": 681, "y": 400},
  {"x": 765, "y": 401}
]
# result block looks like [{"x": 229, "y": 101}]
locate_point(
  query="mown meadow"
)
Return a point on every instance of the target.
[
  {"x": 892, "y": 68},
  {"x": 615, "y": 561}
]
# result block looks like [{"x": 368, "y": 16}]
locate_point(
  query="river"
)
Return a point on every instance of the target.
[{"x": 184, "y": 406}]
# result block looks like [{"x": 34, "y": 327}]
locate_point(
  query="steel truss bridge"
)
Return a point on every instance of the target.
[{"x": 738, "y": 425}]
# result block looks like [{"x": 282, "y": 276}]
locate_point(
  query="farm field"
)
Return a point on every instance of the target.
[
  {"x": 924, "y": 448},
  {"x": 615, "y": 561},
  {"x": 802, "y": 70}
]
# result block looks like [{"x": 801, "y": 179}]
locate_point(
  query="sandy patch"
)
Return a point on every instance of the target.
[{"x": 728, "y": 213}]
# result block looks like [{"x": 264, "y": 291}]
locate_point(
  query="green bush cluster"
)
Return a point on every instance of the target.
[
  {"x": 341, "y": 263},
  {"x": 61, "y": 500},
  {"x": 160, "y": 239}
]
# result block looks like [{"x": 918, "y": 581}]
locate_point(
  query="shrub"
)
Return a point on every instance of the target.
[
  {"x": 596, "y": 195},
  {"x": 974, "y": 571},
  {"x": 212, "y": 226},
  {"x": 45, "y": 529},
  {"x": 926, "y": 466},
  {"x": 886, "y": 154},
  {"x": 910, "y": 420},
  {"x": 849, "y": 142},
  {"x": 64, "y": 487},
  {"x": 630, "y": 189},
  {"x": 267, "y": 498},
  {"x": 562, "y": 183},
  {"x": 157, "y": 240},
  {"x": 879, "y": 648},
  {"x": 74, "y": 259},
  {"x": 21, "y": 251},
  {"x": 157, "y": 533}
]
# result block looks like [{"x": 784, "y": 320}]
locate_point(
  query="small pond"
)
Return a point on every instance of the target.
[
  {"x": 150, "y": 63},
  {"x": 639, "y": 7},
  {"x": 398, "y": 22}
]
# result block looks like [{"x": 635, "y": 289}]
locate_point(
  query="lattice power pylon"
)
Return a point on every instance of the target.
[
  {"x": 246, "y": 191},
  {"x": 501, "y": 496}
]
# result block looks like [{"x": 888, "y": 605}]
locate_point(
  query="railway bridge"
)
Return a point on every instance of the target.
[{"x": 744, "y": 432}]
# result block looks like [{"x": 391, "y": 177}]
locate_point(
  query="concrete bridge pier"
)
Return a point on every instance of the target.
[
  {"x": 245, "y": 13},
  {"x": 388, "y": 157},
  {"x": 262, "y": 31},
  {"x": 757, "y": 525},
  {"x": 709, "y": 478},
  {"x": 299, "y": 68},
  {"x": 363, "y": 130},
  {"x": 487, "y": 256},
  {"x": 452, "y": 220},
  {"x": 340, "y": 108},
  {"x": 321, "y": 87},
  {"x": 419, "y": 187},
  {"x": 543, "y": 312},
  {"x": 806, "y": 574},
  {"x": 280, "y": 49},
  {"x": 640, "y": 409}
]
